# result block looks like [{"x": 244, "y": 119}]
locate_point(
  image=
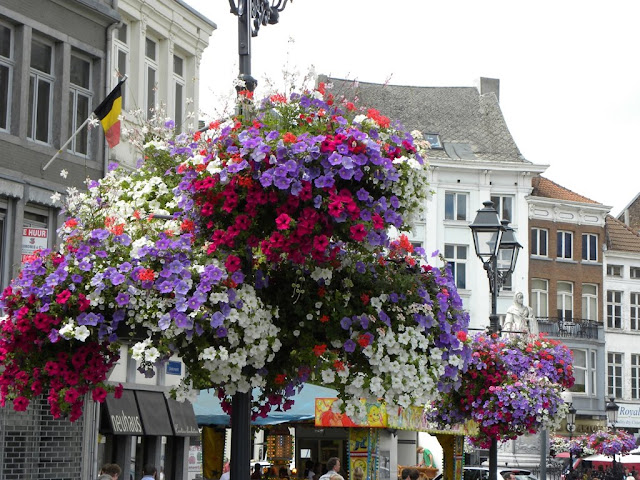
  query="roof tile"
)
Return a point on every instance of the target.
[
  {"x": 543, "y": 187},
  {"x": 620, "y": 237}
]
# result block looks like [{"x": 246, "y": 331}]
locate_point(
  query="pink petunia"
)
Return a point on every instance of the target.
[
  {"x": 358, "y": 232},
  {"x": 283, "y": 221}
]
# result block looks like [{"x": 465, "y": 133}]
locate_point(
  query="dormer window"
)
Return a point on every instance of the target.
[{"x": 434, "y": 140}]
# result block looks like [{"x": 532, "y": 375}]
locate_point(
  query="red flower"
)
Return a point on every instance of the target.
[
  {"x": 72, "y": 222},
  {"x": 365, "y": 340},
  {"x": 117, "y": 393},
  {"x": 365, "y": 298},
  {"x": 320, "y": 243},
  {"x": 319, "y": 349},
  {"x": 289, "y": 137},
  {"x": 378, "y": 222},
  {"x": 283, "y": 221},
  {"x": 232, "y": 263},
  {"x": 71, "y": 395},
  {"x": 338, "y": 365},
  {"x": 20, "y": 404},
  {"x": 63, "y": 296},
  {"x": 324, "y": 318},
  {"x": 462, "y": 336},
  {"x": 99, "y": 394},
  {"x": 281, "y": 379},
  {"x": 146, "y": 274},
  {"x": 358, "y": 232}
]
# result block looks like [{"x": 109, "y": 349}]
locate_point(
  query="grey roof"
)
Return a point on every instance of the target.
[{"x": 471, "y": 126}]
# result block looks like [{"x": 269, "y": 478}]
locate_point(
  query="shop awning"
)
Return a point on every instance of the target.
[
  {"x": 154, "y": 413},
  {"x": 209, "y": 412},
  {"x": 183, "y": 418},
  {"x": 123, "y": 417}
]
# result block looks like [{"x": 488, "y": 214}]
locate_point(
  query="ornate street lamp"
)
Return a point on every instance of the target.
[
  {"x": 251, "y": 15},
  {"x": 571, "y": 427},
  {"x": 491, "y": 237},
  {"x": 612, "y": 409}
]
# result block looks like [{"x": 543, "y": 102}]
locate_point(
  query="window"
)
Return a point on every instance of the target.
[
  {"x": 539, "y": 241},
  {"x": 41, "y": 82},
  {"x": 456, "y": 256},
  {"x": 455, "y": 206},
  {"x": 614, "y": 270},
  {"x": 540, "y": 297},
  {"x": 178, "y": 91},
  {"x": 79, "y": 103},
  {"x": 121, "y": 57},
  {"x": 614, "y": 375},
  {"x": 635, "y": 377},
  {"x": 504, "y": 206},
  {"x": 6, "y": 74},
  {"x": 589, "y": 301},
  {"x": 584, "y": 371},
  {"x": 614, "y": 309},
  {"x": 504, "y": 262},
  {"x": 151, "y": 71},
  {"x": 634, "y": 310},
  {"x": 590, "y": 247},
  {"x": 634, "y": 272},
  {"x": 565, "y": 244},
  {"x": 565, "y": 301}
]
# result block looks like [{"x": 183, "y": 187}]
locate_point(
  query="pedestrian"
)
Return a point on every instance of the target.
[
  {"x": 309, "y": 474},
  {"x": 358, "y": 473},
  {"x": 149, "y": 472},
  {"x": 257, "y": 472},
  {"x": 426, "y": 458},
  {"x": 333, "y": 467},
  {"x": 112, "y": 470},
  {"x": 226, "y": 471},
  {"x": 405, "y": 474},
  {"x": 414, "y": 474},
  {"x": 508, "y": 476}
]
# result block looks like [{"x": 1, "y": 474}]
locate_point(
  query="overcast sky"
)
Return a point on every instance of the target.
[{"x": 569, "y": 70}]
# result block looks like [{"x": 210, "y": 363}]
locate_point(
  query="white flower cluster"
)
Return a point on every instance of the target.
[
  {"x": 404, "y": 372},
  {"x": 73, "y": 331},
  {"x": 252, "y": 340},
  {"x": 144, "y": 352}
]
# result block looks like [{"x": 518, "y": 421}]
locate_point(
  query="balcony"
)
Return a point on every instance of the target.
[{"x": 573, "y": 328}]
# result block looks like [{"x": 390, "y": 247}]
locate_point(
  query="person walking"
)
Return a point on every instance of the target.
[
  {"x": 149, "y": 472},
  {"x": 333, "y": 467}
]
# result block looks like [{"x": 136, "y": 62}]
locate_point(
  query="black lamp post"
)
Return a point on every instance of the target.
[
  {"x": 491, "y": 237},
  {"x": 612, "y": 409},
  {"x": 251, "y": 15},
  {"x": 571, "y": 427}
]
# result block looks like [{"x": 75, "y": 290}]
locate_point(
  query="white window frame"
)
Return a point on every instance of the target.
[
  {"x": 614, "y": 309},
  {"x": 586, "y": 252},
  {"x": 456, "y": 198},
  {"x": 635, "y": 376},
  {"x": 456, "y": 262},
  {"x": 75, "y": 92},
  {"x": 37, "y": 76},
  {"x": 588, "y": 369},
  {"x": 540, "y": 297},
  {"x": 537, "y": 242},
  {"x": 634, "y": 311},
  {"x": 122, "y": 47},
  {"x": 564, "y": 300},
  {"x": 562, "y": 236},
  {"x": 614, "y": 270},
  {"x": 590, "y": 302},
  {"x": 151, "y": 64},
  {"x": 615, "y": 374},
  {"x": 9, "y": 64},
  {"x": 179, "y": 111},
  {"x": 503, "y": 210}
]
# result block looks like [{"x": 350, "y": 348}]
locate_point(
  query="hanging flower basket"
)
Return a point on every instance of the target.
[
  {"x": 611, "y": 442},
  {"x": 512, "y": 386},
  {"x": 259, "y": 253}
]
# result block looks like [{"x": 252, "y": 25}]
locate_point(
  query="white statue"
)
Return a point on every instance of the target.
[{"x": 519, "y": 317}]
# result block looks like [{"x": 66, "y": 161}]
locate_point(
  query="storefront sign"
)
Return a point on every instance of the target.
[
  {"x": 174, "y": 368},
  {"x": 629, "y": 415},
  {"x": 123, "y": 415},
  {"x": 195, "y": 459},
  {"x": 412, "y": 418},
  {"x": 33, "y": 239},
  {"x": 183, "y": 418}
]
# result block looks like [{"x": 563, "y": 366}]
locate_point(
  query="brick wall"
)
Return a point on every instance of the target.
[{"x": 35, "y": 446}]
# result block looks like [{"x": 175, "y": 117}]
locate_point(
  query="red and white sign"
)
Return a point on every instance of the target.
[{"x": 33, "y": 239}]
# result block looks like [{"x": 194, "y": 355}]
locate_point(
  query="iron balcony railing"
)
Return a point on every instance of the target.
[{"x": 574, "y": 327}]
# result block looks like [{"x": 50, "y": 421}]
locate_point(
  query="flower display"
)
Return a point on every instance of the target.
[
  {"x": 611, "y": 442},
  {"x": 258, "y": 251},
  {"x": 512, "y": 386}
]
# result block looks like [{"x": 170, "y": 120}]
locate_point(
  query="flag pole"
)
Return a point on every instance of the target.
[
  {"x": 67, "y": 142},
  {"x": 124, "y": 78}
]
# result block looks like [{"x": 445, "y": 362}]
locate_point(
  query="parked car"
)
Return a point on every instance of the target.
[{"x": 482, "y": 473}]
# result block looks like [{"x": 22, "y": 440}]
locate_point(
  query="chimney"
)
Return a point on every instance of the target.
[{"x": 488, "y": 85}]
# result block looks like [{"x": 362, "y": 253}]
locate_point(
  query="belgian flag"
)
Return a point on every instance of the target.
[{"x": 108, "y": 112}]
